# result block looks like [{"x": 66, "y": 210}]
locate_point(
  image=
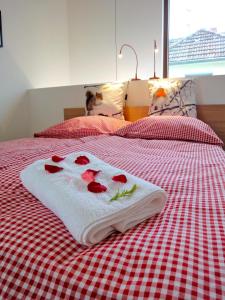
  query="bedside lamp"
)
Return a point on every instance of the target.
[
  {"x": 120, "y": 55},
  {"x": 155, "y": 50}
]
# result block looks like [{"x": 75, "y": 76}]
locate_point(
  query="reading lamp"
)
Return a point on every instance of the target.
[
  {"x": 120, "y": 55},
  {"x": 155, "y": 50}
]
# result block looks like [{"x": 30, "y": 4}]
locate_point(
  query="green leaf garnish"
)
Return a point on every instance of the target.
[{"x": 124, "y": 193}]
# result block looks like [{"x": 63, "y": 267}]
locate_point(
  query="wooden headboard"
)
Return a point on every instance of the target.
[{"x": 213, "y": 115}]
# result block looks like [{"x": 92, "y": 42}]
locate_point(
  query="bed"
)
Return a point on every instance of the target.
[{"x": 178, "y": 254}]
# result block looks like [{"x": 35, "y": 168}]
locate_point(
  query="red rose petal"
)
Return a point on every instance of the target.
[
  {"x": 89, "y": 175},
  {"x": 52, "y": 169},
  {"x": 96, "y": 187},
  {"x": 120, "y": 178},
  {"x": 57, "y": 158},
  {"x": 82, "y": 160}
]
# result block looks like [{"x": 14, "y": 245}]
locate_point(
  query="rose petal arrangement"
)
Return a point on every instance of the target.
[
  {"x": 57, "y": 158},
  {"x": 52, "y": 168},
  {"x": 82, "y": 160},
  {"x": 89, "y": 176},
  {"x": 120, "y": 178},
  {"x": 96, "y": 187}
]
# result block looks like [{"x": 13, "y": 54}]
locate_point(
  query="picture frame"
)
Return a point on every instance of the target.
[{"x": 1, "y": 37}]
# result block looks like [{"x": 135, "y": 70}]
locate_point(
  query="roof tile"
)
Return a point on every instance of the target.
[{"x": 200, "y": 46}]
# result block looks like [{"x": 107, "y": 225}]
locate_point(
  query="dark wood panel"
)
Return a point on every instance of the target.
[{"x": 70, "y": 113}]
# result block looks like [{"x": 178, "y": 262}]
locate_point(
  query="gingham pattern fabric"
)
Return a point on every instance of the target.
[
  {"x": 179, "y": 254},
  {"x": 172, "y": 128},
  {"x": 82, "y": 127}
]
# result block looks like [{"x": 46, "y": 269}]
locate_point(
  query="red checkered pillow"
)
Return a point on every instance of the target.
[
  {"x": 170, "y": 128},
  {"x": 83, "y": 126}
]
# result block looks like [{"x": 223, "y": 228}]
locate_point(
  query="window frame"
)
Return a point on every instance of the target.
[
  {"x": 165, "y": 42},
  {"x": 1, "y": 37},
  {"x": 165, "y": 38}
]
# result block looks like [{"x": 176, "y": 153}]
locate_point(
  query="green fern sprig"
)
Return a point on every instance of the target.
[{"x": 124, "y": 193}]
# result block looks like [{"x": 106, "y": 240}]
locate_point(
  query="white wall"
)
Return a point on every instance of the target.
[
  {"x": 139, "y": 24},
  {"x": 91, "y": 40},
  {"x": 47, "y": 105},
  {"x": 210, "y": 90},
  {"x": 35, "y": 54},
  {"x": 58, "y": 42}
]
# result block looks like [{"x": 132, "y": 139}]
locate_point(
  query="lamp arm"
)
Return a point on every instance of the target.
[
  {"x": 154, "y": 64},
  {"x": 155, "y": 47},
  {"x": 129, "y": 46}
]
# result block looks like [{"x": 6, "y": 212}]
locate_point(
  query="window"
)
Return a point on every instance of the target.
[{"x": 196, "y": 37}]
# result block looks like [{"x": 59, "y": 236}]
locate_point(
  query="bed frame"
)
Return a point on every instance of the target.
[{"x": 213, "y": 115}]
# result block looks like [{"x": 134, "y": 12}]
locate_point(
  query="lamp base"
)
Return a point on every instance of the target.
[
  {"x": 133, "y": 79},
  {"x": 154, "y": 77}
]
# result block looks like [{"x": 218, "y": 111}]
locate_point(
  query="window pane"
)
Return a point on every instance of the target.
[{"x": 196, "y": 38}]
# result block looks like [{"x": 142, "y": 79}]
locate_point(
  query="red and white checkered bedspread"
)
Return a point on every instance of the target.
[{"x": 179, "y": 254}]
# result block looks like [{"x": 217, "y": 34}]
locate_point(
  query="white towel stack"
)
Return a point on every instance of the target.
[{"x": 91, "y": 217}]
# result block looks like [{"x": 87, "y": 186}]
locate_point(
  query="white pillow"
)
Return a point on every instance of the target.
[
  {"x": 107, "y": 100},
  {"x": 173, "y": 97}
]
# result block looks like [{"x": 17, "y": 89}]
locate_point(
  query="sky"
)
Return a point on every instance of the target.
[{"x": 188, "y": 16}]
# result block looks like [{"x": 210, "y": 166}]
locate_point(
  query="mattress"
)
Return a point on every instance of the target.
[{"x": 178, "y": 254}]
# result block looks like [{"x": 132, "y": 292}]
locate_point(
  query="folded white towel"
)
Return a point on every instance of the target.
[{"x": 91, "y": 217}]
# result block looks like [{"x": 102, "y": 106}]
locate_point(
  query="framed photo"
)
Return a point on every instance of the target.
[{"x": 1, "y": 38}]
